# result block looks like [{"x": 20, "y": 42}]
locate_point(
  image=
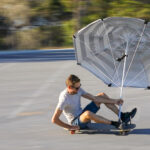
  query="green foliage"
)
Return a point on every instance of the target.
[
  {"x": 53, "y": 36},
  {"x": 63, "y": 18},
  {"x": 27, "y": 39},
  {"x": 51, "y": 9},
  {"x": 128, "y": 8},
  {"x": 69, "y": 31}
]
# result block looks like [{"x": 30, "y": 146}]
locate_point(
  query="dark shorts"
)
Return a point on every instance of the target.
[{"x": 92, "y": 108}]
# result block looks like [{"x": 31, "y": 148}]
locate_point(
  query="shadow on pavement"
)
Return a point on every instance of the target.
[{"x": 141, "y": 131}]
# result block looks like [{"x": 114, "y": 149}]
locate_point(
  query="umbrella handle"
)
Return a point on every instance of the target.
[{"x": 119, "y": 114}]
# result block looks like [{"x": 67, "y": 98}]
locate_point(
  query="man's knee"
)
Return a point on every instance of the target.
[
  {"x": 87, "y": 114},
  {"x": 102, "y": 94}
]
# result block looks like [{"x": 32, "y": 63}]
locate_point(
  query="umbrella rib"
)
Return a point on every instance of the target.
[
  {"x": 105, "y": 76},
  {"x": 118, "y": 79},
  {"x": 135, "y": 51},
  {"x": 122, "y": 79},
  {"x": 116, "y": 72},
  {"x": 99, "y": 68},
  {"x": 131, "y": 81}
]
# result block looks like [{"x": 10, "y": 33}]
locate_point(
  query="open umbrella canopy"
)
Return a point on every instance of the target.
[{"x": 116, "y": 50}]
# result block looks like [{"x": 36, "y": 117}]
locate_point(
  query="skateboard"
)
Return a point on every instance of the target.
[
  {"x": 127, "y": 126},
  {"x": 94, "y": 128},
  {"x": 124, "y": 128}
]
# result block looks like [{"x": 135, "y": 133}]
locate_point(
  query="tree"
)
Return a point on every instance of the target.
[{"x": 129, "y": 8}]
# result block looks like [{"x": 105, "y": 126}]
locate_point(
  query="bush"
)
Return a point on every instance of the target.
[
  {"x": 52, "y": 35},
  {"x": 69, "y": 30},
  {"x": 24, "y": 40}
]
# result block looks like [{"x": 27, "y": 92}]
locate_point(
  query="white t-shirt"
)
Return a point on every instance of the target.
[{"x": 70, "y": 104}]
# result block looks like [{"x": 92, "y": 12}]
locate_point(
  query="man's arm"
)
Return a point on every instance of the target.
[
  {"x": 101, "y": 99},
  {"x": 56, "y": 120}
]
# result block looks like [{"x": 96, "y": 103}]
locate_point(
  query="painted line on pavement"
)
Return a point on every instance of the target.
[{"x": 39, "y": 91}]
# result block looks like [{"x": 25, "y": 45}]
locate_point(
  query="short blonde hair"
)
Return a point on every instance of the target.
[{"x": 71, "y": 80}]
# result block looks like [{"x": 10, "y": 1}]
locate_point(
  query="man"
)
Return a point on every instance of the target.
[{"x": 78, "y": 118}]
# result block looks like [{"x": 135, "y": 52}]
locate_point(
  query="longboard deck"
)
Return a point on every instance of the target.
[
  {"x": 94, "y": 128},
  {"x": 124, "y": 130}
]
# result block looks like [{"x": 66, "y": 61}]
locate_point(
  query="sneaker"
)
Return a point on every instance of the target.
[
  {"x": 126, "y": 117},
  {"x": 133, "y": 112}
]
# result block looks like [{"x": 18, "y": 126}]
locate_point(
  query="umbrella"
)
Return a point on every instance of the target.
[{"x": 117, "y": 51}]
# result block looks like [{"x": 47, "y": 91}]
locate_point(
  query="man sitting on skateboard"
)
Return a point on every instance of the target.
[{"x": 78, "y": 118}]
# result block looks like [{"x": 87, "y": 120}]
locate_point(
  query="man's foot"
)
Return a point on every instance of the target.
[
  {"x": 126, "y": 117},
  {"x": 116, "y": 124}
]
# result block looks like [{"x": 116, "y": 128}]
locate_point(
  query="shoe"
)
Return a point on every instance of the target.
[
  {"x": 133, "y": 112},
  {"x": 126, "y": 117}
]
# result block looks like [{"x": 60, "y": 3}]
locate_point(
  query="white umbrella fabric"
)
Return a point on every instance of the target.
[{"x": 117, "y": 51}]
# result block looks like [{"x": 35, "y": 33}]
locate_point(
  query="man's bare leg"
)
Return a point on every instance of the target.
[
  {"x": 88, "y": 116},
  {"x": 124, "y": 116},
  {"x": 112, "y": 107}
]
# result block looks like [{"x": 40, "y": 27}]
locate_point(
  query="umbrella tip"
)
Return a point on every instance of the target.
[
  {"x": 146, "y": 21},
  {"x": 148, "y": 87},
  {"x": 74, "y": 36},
  {"x": 109, "y": 85}
]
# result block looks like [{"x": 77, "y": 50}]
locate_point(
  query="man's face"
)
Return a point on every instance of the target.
[{"x": 74, "y": 89}]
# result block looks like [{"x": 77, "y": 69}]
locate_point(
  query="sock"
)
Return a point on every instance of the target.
[
  {"x": 115, "y": 123},
  {"x": 112, "y": 122}
]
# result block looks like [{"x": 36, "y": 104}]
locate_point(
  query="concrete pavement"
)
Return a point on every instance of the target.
[{"x": 28, "y": 97}]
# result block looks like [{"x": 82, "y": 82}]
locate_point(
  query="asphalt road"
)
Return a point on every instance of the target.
[{"x": 29, "y": 92}]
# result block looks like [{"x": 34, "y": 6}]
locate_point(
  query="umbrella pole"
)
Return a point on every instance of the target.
[
  {"x": 120, "y": 108},
  {"x": 122, "y": 83}
]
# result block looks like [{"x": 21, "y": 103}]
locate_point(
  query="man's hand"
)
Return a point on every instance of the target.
[
  {"x": 55, "y": 119},
  {"x": 119, "y": 102},
  {"x": 74, "y": 128}
]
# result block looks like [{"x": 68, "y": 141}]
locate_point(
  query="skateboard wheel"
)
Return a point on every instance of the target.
[
  {"x": 123, "y": 132},
  {"x": 72, "y": 132}
]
